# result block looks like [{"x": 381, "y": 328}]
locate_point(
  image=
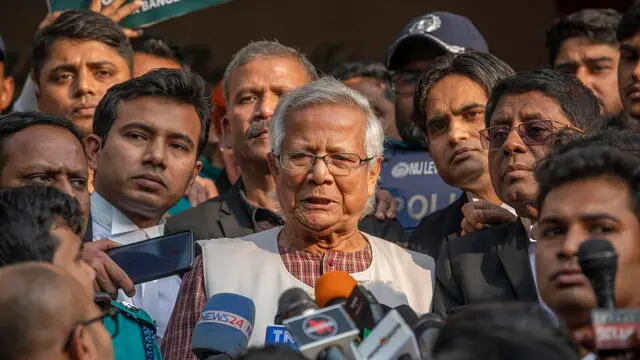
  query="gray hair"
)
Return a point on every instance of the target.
[
  {"x": 329, "y": 91},
  {"x": 265, "y": 49}
]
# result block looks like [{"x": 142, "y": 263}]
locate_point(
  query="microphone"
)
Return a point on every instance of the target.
[
  {"x": 392, "y": 338},
  {"x": 294, "y": 302},
  {"x": 614, "y": 328},
  {"x": 364, "y": 309},
  {"x": 333, "y": 288},
  {"x": 224, "y": 328},
  {"x": 426, "y": 330}
]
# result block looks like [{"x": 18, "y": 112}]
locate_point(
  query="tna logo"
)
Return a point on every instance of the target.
[
  {"x": 227, "y": 318},
  {"x": 403, "y": 169}
]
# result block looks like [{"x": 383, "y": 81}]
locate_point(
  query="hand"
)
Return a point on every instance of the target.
[
  {"x": 386, "y": 205},
  {"x": 202, "y": 190},
  {"x": 109, "y": 276},
  {"x": 115, "y": 11},
  {"x": 480, "y": 214}
]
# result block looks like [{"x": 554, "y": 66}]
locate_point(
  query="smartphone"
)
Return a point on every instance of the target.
[{"x": 155, "y": 258}]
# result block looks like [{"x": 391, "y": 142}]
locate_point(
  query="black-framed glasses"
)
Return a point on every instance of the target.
[
  {"x": 537, "y": 132},
  {"x": 339, "y": 164},
  {"x": 404, "y": 82},
  {"x": 108, "y": 317}
]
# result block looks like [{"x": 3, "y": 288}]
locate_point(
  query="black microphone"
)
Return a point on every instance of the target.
[
  {"x": 599, "y": 262},
  {"x": 364, "y": 309},
  {"x": 614, "y": 328},
  {"x": 427, "y": 329},
  {"x": 294, "y": 302}
]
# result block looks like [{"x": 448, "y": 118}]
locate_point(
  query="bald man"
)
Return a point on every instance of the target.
[{"x": 37, "y": 321}]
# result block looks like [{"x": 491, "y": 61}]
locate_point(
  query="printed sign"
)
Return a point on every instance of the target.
[
  {"x": 152, "y": 11},
  {"x": 412, "y": 178}
]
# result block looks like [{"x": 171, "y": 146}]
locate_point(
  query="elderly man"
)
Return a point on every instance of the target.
[
  {"x": 451, "y": 97},
  {"x": 589, "y": 188},
  {"x": 326, "y": 146},
  {"x": 37, "y": 321},
  {"x": 523, "y": 114}
]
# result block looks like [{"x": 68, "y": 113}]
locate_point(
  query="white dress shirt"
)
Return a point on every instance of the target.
[{"x": 156, "y": 297}]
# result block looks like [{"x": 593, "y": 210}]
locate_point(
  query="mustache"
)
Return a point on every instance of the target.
[{"x": 256, "y": 128}]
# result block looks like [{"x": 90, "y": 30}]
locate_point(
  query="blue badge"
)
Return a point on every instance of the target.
[{"x": 278, "y": 335}]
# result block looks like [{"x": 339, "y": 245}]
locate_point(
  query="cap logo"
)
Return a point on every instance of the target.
[
  {"x": 106, "y": 2},
  {"x": 429, "y": 23}
]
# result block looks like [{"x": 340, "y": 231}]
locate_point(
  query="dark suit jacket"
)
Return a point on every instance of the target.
[
  {"x": 226, "y": 216},
  {"x": 436, "y": 227},
  {"x": 490, "y": 265}
]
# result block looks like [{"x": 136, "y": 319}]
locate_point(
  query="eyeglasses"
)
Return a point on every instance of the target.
[
  {"x": 339, "y": 164},
  {"x": 404, "y": 82},
  {"x": 537, "y": 132},
  {"x": 111, "y": 324}
]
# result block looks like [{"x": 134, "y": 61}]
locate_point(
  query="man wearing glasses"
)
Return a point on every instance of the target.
[
  {"x": 38, "y": 322},
  {"x": 408, "y": 172},
  {"x": 523, "y": 115}
]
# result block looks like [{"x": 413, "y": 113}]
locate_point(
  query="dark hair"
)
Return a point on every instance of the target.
[
  {"x": 156, "y": 45},
  {"x": 372, "y": 69},
  {"x": 629, "y": 23},
  {"x": 612, "y": 152},
  {"x": 26, "y": 216},
  {"x": 80, "y": 25},
  {"x": 272, "y": 352},
  {"x": 179, "y": 85},
  {"x": 352, "y": 69},
  {"x": 503, "y": 331},
  {"x": 483, "y": 68},
  {"x": 15, "y": 122},
  {"x": 597, "y": 25},
  {"x": 577, "y": 102}
]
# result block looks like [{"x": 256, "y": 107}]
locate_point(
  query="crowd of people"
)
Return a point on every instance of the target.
[{"x": 283, "y": 174}]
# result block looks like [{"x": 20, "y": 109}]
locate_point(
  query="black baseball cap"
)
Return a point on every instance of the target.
[{"x": 453, "y": 33}]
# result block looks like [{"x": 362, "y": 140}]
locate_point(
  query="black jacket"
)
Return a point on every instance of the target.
[
  {"x": 486, "y": 266},
  {"x": 436, "y": 227}
]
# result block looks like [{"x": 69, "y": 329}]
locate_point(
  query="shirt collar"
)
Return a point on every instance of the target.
[
  {"x": 528, "y": 226},
  {"x": 111, "y": 218}
]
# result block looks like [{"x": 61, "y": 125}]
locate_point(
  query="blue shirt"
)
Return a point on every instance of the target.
[{"x": 411, "y": 177}]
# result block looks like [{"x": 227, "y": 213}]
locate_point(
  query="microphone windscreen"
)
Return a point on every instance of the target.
[
  {"x": 293, "y": 302},
  {"x": 334, "y": 285},
  {"x": 225, "y": 326}
]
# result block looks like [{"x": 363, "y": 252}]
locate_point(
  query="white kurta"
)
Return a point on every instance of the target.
[{"x": 251, "y": 266}]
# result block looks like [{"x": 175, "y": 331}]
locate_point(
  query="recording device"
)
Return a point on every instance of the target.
[
  {"x": 614, "y": 328},
  {"x": 426, "y": 330},
  {"x": 155, "y": 258},
  {"x": 322, "y": 329},
  {"x": 334, "y": 288},
  {"x": 224, "y": 328},
  {"x": 392, "y": 338}
]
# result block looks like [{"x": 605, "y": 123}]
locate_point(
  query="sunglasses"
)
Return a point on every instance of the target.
[{"x": 537, "y": 132}]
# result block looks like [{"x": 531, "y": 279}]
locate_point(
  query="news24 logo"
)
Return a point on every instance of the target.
[
  {"x": 227, "y": 318},
  {"x": 278, "y": 335}
]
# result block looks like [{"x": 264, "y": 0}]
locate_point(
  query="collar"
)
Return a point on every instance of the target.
[
  {"x": 528, "y": 226},
  {"x": 107, "y": 215}
]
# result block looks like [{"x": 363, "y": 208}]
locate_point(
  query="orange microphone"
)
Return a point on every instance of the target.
[{"x": 333, "y": 288}]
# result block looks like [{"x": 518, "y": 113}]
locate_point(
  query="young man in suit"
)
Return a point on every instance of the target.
[
  {"x": 252, "y": 93},
  {"x": 451, "y": 97},
  {"x": 523, "y": 115}
]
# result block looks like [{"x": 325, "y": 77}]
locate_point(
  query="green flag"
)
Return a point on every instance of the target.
[{"x": 152, "y": 12}]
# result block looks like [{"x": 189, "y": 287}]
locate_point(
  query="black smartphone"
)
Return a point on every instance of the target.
[{"x": 155, "y": 258}]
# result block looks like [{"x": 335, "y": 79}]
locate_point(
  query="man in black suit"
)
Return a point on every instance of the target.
[
  {"x": 450, "y": 100},
  {"x": 252, "y": 92},
  {"x": 523, "y": 114}
]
